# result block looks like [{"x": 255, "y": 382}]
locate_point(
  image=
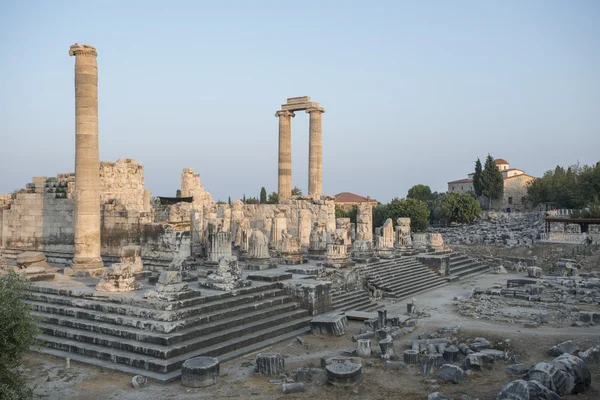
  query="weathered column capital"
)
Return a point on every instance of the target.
[
  {"x": 315, "y": 109},
  {"x": 82, "y": 50},
  {"x": 284, "y": 113}
]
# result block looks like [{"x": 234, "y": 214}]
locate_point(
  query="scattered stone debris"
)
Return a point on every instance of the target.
[
  {"x": 138, "y": 381},
  {"x": 499, "y": 229},
  {"x": 568, "y": 347},
  {"x": 591, "y": 355},
  {"x": 451, "y": 373},
  {"x": 534, "y": 301}
]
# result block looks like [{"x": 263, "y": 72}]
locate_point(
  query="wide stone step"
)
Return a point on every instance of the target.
[
  {"x": 474, "y": 272},
  {"x": 372, "y": 306},
  {"x": 408, "y": 283},
  {"x": 171, "y": 376},
  {"x": 392, "y": 264},
  {"x": 466, "y": 267},
  {"x": 166, "y": 352},
  {"x": 213, "y": 323},
  {"x": 400, "y": 278},
  {"x": 395, "y": 268},
  {"x": 166, "y": 366},
  {"x": 217, "y": 303},
  {"x": 399, "y": 273},
  {"x": 352, "y": 305},
  {"x": 343, "y": 296},
  {"x": 193, "y": 298}
]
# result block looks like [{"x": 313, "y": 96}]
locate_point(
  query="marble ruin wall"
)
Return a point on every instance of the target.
[
  {"x": 123, "y": 182},
  {"x": 41, "y": 216}
]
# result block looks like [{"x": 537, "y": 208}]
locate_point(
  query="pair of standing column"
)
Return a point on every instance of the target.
[{"x": 315, "y": 154}]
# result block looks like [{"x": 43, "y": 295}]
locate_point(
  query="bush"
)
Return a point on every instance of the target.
[{"x": 18, "y": 330}]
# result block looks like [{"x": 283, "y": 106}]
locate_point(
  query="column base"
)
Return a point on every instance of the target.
[{"x": 85, "y": 267}]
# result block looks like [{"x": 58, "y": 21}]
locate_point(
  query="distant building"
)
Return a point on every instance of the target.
[
  {"x": 515, "y": 187},
  {"x": 347, "y": 200}
]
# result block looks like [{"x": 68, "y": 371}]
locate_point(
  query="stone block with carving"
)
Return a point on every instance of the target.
[
  {"x": 118, "y": 278},
  {"x": 132, "y": 255},
  {"x": 227, "y": 277},
  {"x": 291, "y": 251}
]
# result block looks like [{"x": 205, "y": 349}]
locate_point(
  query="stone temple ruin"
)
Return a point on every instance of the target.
[{"x": 142, "y": 285}]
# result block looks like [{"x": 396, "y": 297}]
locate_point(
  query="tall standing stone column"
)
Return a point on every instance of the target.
[
  {"x": 315, "y": 153},
  {"x": 285, "y": 154},
  {"x": 87, "y": 160}
]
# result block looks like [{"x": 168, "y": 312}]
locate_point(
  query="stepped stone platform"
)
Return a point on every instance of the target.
[
  {"x": 462, "y": 266},
  {"x": 356, "y": 300},
  {"x": 402, "y": 277},
  {"x": 128, "y": 333}
]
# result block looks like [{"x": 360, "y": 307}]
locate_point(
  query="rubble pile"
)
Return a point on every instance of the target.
[
  {"x": 497, "y": 229},
  {"x": 530, "y": 301}
]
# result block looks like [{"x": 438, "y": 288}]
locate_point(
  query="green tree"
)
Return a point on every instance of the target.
[
  {"x": 178, "y": 193},
  {"x": 244, "y": 198},
  {"x": 380, "y": 214},
  {"x": 491, "y": 180},
  {"x": 575, "y": 187},
  {"x": 273, "y": 198},
  {"x": 477, "y": 184},
  {"x": 263, "y": 195},
  {"x": 18, "y": 330},
  {"x": 296, "y": 191},
  {"x": 229, "y": 200},
  {"x": 252, "y": 200},
  {"x": 416, "y": 210},
  {"x": 420, "y": 192},
  {"x": 455, "y": 207}
]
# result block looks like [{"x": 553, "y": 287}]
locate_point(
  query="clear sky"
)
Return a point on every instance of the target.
[{"x": 413, "y": 91}]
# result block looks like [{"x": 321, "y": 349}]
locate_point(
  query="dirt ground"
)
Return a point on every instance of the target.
[{"x": 50, "y": 379}]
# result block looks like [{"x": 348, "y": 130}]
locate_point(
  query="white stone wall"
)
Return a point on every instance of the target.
[{"x": 123, "y": 181}]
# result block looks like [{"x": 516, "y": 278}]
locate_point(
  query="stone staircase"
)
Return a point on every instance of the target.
[
  {"x": 357, "y": 300},
  {"x": 151, "y": 338},
  {"x": 402, "y": 277},
  {"x": 462, "y": 266}
]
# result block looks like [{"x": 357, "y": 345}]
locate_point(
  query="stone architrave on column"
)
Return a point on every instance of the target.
[
  {"x": 285, "y": 154},
  {"x": 87, "y": 162},
  {"x": 315, "y": 153},
  {"x": 364, "y": 222}
]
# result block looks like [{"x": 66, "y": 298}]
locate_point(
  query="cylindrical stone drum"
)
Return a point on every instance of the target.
[
  {"x": 199, "y": 372},
  {"x": 344, "y": 374},
  {"x": 431, "y": 349},
  {"x": 441, "y": 347},
  {"x": 438, "y": 359},
  {"x": 411, "y": 357},
  {"x": 269, "y": 364},
  {"x": 415, "y": 347},
  {"x": 382, "y": 317},
  {"x": 464, "y": 349},
  {"x": 451, "y": 354},
  {"x": 363, "y": 348},
  {"x": 292, "y": 387},
  {"x": 387, "y": 348}
]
